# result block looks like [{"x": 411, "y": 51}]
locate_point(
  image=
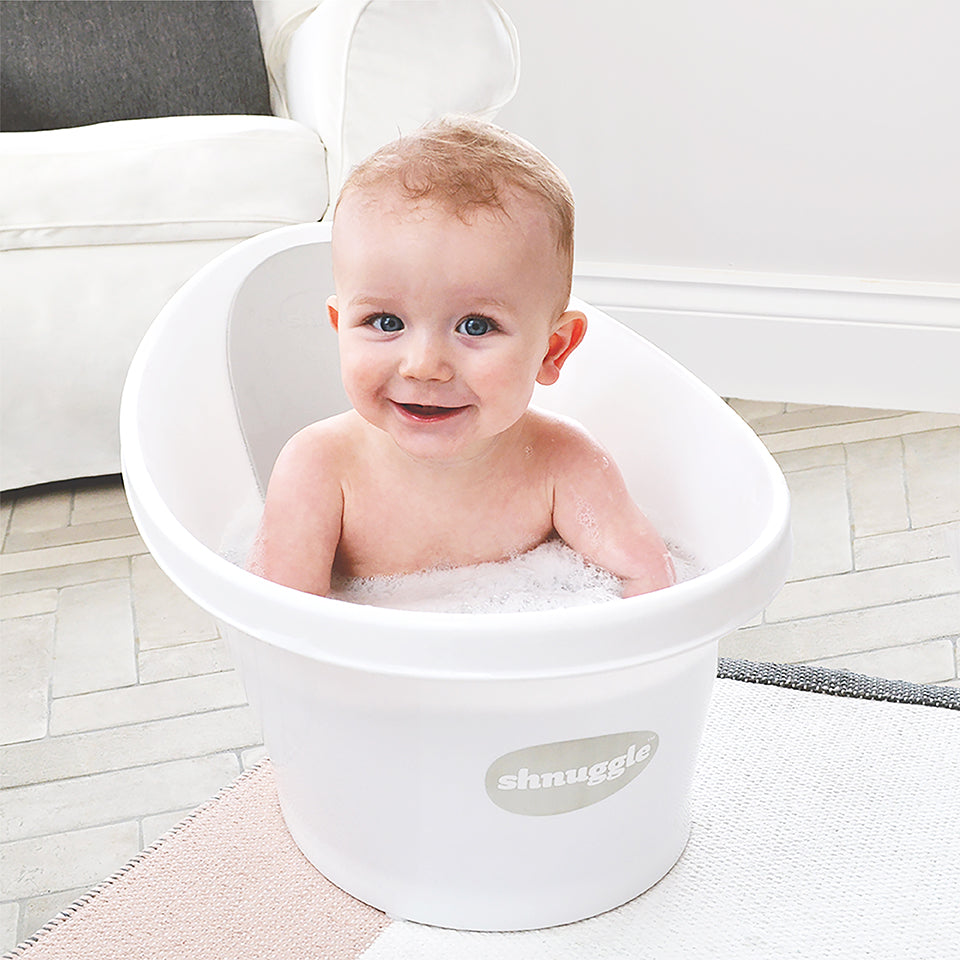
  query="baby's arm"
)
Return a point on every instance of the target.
[
  {"x": 595, "y": 515},
  {"x": 300, "y": 528}
]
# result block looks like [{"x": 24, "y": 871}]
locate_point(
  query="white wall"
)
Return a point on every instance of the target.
[{"x": 801, "y": 149}]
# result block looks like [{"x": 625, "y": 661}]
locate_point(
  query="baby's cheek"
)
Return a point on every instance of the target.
[{"x": 360, "y": 378}]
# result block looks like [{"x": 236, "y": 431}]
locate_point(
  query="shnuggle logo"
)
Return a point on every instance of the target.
[{"x": 559, "y": 777}]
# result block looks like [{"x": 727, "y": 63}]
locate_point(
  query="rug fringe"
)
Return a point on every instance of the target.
[{"x": 839, "y": 683}]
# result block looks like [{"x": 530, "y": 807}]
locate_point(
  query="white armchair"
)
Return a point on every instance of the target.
[{"x": 101, "y": 223}]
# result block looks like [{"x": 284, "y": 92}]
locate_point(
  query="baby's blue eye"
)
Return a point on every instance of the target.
[
  {"x": 386, "y": 323},
  {"x": 474, "y": 326}
]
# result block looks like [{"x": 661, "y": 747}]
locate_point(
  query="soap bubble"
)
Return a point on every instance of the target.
[{"x": 549, "y": 577}]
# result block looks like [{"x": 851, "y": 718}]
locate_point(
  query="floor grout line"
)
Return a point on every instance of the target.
[
  {"x": 851, "y": 520},
  {"x": 867, "y": 606}
]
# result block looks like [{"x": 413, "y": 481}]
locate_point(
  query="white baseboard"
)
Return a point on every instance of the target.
[{"x": 887, "y": 344}]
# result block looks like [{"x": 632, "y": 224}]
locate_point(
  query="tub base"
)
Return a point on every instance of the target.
[
  {"x": 483, "y": 911},
  {"x": 393, "y": 786}
]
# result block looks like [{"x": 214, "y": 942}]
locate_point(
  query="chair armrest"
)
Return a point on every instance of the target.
[
  {"x": 360, "y": 72},
  {"x": 278, "y": 20},
  {"x": 159, "y": 179}
]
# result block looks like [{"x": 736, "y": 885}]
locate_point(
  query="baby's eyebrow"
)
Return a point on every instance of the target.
[
  {"x": 482, "y": 301},
  {"x": 367, "y": 301},
  {"x": 488, "y": 302},
  {"x": 473, "y": 304}
]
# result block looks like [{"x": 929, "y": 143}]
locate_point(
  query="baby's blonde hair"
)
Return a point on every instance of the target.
[{"x": 468, "y": 164}]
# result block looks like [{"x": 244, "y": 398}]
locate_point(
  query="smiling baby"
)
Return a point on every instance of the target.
[{"x": 452, "y": 262}]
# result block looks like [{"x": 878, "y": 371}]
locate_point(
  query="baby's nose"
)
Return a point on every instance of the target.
[{"x": 425, "y": 359}]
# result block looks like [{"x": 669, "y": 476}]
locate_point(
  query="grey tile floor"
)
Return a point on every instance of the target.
[{"x": 120, "y": 710}]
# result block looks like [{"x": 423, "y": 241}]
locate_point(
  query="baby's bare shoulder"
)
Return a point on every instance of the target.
[
  {"x": 316, "y": 454},
  {"x": 324, "y": 439},
  {"x": 564, "y": 440}
]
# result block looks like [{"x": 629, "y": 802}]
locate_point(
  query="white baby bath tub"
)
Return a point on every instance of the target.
[{"x": 495, "y": 772}]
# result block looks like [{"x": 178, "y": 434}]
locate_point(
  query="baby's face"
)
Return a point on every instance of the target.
[{"x": 443, "y": 325}]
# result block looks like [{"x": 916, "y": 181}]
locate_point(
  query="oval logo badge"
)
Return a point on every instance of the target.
[{"x": 553, "y": 778}]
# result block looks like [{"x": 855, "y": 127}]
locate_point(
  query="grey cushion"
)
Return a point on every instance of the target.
[{"x": 66, "y": 63}]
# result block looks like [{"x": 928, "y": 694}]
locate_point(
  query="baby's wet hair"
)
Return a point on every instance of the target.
[{"x": 469, "y": 165}]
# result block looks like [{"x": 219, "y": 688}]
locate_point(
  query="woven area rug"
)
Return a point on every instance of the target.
[{"x": 826, "y": 825}]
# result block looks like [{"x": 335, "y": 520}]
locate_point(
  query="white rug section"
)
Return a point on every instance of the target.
[{"x": 824, "y": 827}]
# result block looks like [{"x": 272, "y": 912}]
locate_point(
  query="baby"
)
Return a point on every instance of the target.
[{"x": 452, "y": 261}]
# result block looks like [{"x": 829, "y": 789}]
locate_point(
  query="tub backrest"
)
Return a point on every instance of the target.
[{"x": 282, "y": 352}]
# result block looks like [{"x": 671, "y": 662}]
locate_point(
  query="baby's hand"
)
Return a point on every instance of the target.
[{"x": 656, "y": 578}]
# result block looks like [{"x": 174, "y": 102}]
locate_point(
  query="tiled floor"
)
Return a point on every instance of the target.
[{"x": 120, "y": 711}]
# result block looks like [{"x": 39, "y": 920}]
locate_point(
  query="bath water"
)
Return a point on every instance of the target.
[{"x": 548, "y": 577}]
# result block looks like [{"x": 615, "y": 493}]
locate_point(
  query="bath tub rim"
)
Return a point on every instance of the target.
[
  {"x": 283, "y": 616},
  {"x": 277, "y": 614},
  {"x": 283, "y": 609}
]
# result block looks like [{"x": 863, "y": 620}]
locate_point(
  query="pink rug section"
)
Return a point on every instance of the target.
[{"x": 229, "y": 882}]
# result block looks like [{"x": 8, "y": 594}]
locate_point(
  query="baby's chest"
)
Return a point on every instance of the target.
[{"x": 406, "y": 533}]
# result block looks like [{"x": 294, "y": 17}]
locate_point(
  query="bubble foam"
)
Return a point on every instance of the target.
[{"x": 549, "y": 577}]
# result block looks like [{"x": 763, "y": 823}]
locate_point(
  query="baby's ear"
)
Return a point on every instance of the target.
[
  {"x": 332, "y": 312},
  {"x": 568, "y": 332}
]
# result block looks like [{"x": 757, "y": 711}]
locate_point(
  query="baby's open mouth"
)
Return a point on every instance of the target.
[{"x": 421, "y": 411}]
